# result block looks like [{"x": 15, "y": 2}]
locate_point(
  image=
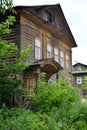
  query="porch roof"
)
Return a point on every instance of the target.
[{"x": 46, "y": 65}]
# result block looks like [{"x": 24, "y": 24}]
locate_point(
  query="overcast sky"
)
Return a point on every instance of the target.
[{"x": 75, "y": 12}]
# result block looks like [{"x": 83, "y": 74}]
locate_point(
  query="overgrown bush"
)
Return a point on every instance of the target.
[
  {"x": 56, "y": 106},
  {"x": 22, "y": 119},
  {"x": 54, "y": 95},
  {"x": 62, "y": 103}
]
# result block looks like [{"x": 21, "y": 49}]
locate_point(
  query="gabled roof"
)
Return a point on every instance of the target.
[
  {"x": 79, "y": 64},
  {"x": 65, "y": 34},
  {"x": 36, "y": 10},
  {"x": 82, "y": 71}
]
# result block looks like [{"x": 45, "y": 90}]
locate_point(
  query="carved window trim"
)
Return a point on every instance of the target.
[
  {"x": 67, "y": 61},
  {"x": 49, "y": 50},
  {"x": 37, "y": 48},
  {"x": 56, "y": 54},
  {"x": 62, "y": 58}
]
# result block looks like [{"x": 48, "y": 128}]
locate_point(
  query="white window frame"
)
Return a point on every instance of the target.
[
  {"x": 62, "y": 58},
  {"x": 56, "y": 54},
  {"x": 67, "y": 61},
  {"x": 37, "y": 48},
  {"x": 79, "y": 80},
  {"x": 49, "y": 50}
]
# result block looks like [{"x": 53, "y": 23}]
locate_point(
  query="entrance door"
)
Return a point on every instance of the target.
[{"x": 31, "y": 84}]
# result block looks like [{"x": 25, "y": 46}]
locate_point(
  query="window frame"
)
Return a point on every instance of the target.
[
  {"x": 79, "y": 80},
  {"x": 67, "y": 61},
  {"x": 49, "y": 50},
  {"x": 56, "y": 54},
  {"x": 48, "y": 16},
  {"x": 62, "y": 58},
  {"x": 79, "y": 68},
  {"x": 37, "y": 48}
]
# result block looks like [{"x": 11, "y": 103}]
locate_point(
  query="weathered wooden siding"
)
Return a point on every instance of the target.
[
  {"x": 28, "y": 33},
  {"x": 14, "y": 36},
  {"x": 62, "y": 25},
  {"x": 55, "y": 42}
]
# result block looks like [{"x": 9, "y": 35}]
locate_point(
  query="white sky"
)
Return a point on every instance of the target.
[{"x": 75, "y": 12}]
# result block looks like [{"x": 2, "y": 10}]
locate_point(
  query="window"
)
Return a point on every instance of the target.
[
  {"x": 45, "y": 16},
  {"x": 48, "y": 51},
  {"x": 48, "y": 16},
  {"x": 56, "y": 54},
  {"x": 67, "y": 61},
  {"x": 62, "y": 59},
  {"x": 37, "y": 48},
  {"x": 79, "y": 68},
  {"x": 79, "y": 80}
]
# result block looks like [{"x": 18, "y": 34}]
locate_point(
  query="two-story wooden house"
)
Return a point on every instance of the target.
[
  {"x": 46, "y": 29},
  {"x": 79, "y": 72}
]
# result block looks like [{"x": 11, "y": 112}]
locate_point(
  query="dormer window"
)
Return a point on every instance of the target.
[{"x": 48, "y": 16}]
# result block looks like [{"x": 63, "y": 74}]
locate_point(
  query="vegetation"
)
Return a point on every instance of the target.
[
  {"x": 85, "y": 83},
  {"x": 55, "y": 106},
  {"x": 11, "y": 62}
]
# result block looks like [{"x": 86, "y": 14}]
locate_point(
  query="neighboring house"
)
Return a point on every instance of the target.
[
  {"x": 79, "y": 71},
  {"x": 46, "y": 28}
]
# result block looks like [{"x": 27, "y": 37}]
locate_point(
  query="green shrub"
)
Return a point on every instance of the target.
[
  {"x": 56, "y": 106},
  {"x": 78, "y": 116},
  {"x": 53, "y": 95},
  {"x": 21, "y": 119}
]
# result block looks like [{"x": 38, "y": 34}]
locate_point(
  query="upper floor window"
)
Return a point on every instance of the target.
[
  {"x": 79, "y": 68},
  {"x": 48, "y": 16},
  {"x": 56, "y": 54},
  {"x": 37, "y": 48},
  {"x": 79, "y": 80},
  {"x": 48, "y": 51},
  {"x": 62, "y": 59},
  {"x": 67, "y": 61}
]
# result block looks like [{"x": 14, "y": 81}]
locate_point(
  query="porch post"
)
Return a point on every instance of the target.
[
  {"x": 57, "y": 76},
  {"x": 38, "y": 71}
]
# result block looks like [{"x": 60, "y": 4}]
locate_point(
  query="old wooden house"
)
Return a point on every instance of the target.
[
  {"x": 46, "y": 29},
  {"x": 79, "y": 72}
]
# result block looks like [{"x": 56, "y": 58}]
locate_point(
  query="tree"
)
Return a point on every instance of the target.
[
  {"x": 12, "y": 62},
  {"x": 4, "y": 4}
]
